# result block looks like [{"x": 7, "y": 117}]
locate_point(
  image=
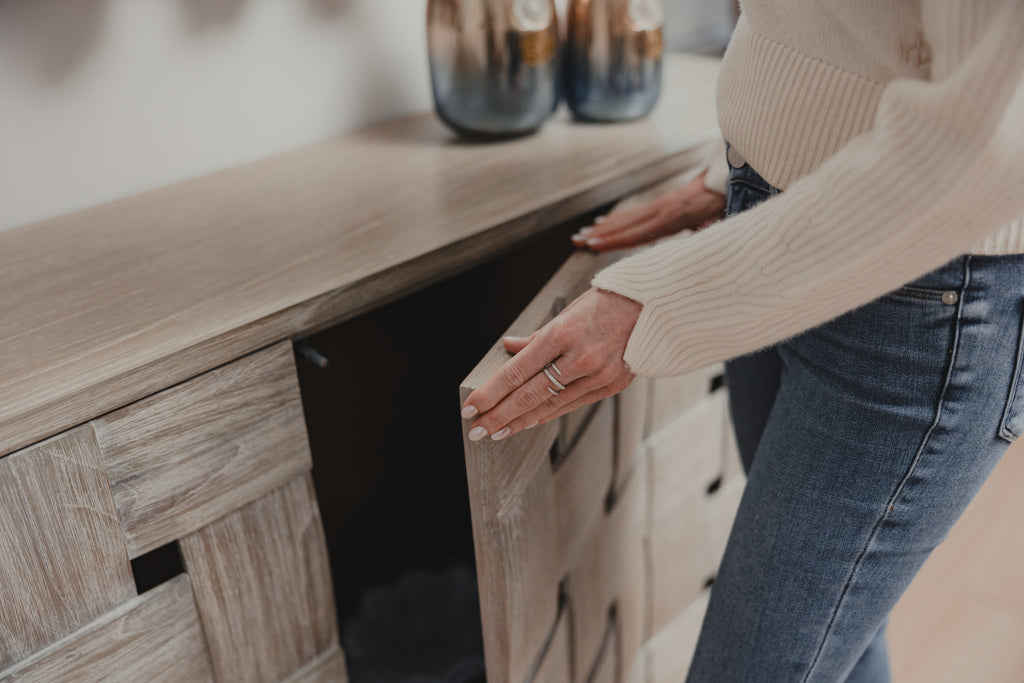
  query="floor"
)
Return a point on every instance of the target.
[{"x": 962, "y": 620}]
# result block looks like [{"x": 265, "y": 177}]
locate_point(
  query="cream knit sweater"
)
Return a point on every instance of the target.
[{"x": 896, "y": 129}]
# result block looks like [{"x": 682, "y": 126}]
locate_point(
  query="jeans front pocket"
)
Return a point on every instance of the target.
[
  {"x": 945, "y": 296},
  {"x": 1013, "y": 415}
]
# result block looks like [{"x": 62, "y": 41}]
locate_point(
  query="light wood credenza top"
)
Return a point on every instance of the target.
[{"x": 105, "y": 306}]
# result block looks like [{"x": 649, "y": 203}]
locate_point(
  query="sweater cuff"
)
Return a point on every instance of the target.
[{"x": 652, "y": 350}]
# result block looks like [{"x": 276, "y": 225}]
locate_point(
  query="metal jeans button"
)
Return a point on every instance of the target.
[
  {"x": 949, "y": 298},
  {"x": 734, "y": 158}
]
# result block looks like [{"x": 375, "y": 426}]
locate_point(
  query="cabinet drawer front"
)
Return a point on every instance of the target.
[
  {"x": 694, "y": 494},
  {"x": 668, "y": 654},
  {"x": 672, "y": 397},
  {"x": 687, "y": 456},
  {"x": 188, "y": 455},
  {"x": 686, "y": 549}
]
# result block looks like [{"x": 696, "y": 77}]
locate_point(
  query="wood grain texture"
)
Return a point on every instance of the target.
[
  {"x": 671, "y": 397},
  {"x": 189, "y": 455},
  {"x": 637, "y": 673},
  {"x": 688, "y": 526},
  {"x": 571, "y": 428},
  {"x": 327, "y": 668},
  {"x": 155, "y": 638},
  {"x": 670, "y": 651},
  {"x": 515, "y": 542},
  {"x": 610, "y": 573},
  {"x": 120, "y": 301},
  {"x": 686, "y": 456},
  {"x": 630, "y": 427},
  {"x": 263, "y": 586},
  {"x": 582, "y": 482},
  {"x": 62, "y": 556},
  {"x": 555, "y": 665}
]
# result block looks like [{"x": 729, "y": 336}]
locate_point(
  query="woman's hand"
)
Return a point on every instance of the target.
[
  {"x": 690, "y": 207},
  {"x": 580, "y": 350}
]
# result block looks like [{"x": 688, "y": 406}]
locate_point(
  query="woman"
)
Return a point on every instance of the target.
[{"x": 868, "y": 286}]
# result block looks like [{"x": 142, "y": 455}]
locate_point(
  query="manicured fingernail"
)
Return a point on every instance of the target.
[
  {"x": 469, "y": 411},
  {"x": 513, "y": 339},
  {"x": 477, "y": 433},
  {"x": 593, "y": 241},
  {"x": 534, "y": 424},
  {"x": 600, "y": 219},
  {"x": 585, "y": 231},
  {"x": 501, "y": 434}
]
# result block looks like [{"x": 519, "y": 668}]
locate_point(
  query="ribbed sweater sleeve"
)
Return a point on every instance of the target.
[{"x": 942, "y": 168}]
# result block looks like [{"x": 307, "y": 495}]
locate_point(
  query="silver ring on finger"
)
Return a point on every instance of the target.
[{"x": 558, "y": 386}]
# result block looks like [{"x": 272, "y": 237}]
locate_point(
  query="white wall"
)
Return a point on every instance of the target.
[
  {"x": 104, "y": 98},
  {"x": 698, "y": 25},
  {"x": 100, "y": 99}
]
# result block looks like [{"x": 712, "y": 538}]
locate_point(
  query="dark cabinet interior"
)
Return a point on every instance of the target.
[{"x": 389, "y": 467}]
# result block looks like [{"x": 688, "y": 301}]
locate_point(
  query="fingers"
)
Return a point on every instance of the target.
[
  {"x": 512, "y": 416},
  {"x": 599, "y": 394},
  {"x": 541, "y": 347},
  {"x": 587, "y": 340},
  {"x": 511, "y": 376},
  {"x": 639, "y": 234},
  {"x": 516, "y": 344},
  {"x": 606, "y": 226},
  {"x": 690, "y": 207},
  {"x": 582, "y": 392},
  {"x": 509, "y": 415}
]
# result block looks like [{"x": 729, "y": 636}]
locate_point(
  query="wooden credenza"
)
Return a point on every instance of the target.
[{"x": 149, "y": 399}]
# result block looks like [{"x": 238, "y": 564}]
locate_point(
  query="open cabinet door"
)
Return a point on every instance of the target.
[{"x": 596, "y": 535}]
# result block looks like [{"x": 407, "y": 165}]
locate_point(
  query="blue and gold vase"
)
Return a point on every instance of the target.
[
  {"x": 613, "y": 58},
  {"x": 494, "y": 64}
]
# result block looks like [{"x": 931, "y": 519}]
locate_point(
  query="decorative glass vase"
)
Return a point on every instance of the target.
[
  {"x": 613, "y": 58},
  {"x": 494, "y": 64}
]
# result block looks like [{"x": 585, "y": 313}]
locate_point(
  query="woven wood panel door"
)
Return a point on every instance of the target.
[
  {"x": 556, "y": 531},
  {"x": 217, "y": 467},
  {"x": 597, "y": 536}
]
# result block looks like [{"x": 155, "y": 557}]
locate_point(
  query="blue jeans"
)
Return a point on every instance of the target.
[{"x": 863, "y": 439}]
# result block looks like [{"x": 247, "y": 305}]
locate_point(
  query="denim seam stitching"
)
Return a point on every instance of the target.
[
  {"x": 910, "y": 471},
  {"x": 1005, "y": 431}
]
